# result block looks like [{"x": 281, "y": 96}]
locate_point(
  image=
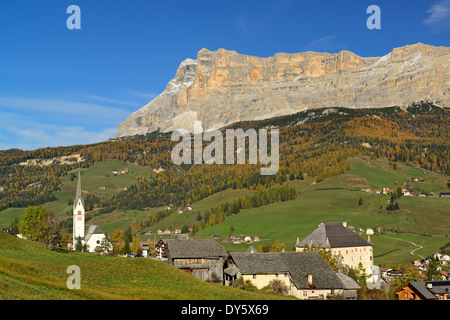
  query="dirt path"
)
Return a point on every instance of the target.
[{"x": 414, "y": 244}]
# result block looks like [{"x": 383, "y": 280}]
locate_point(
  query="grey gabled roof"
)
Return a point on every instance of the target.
[
  {"x": 297, "y": 264},
  {"x": 93, "y": 229},
  {"x": 79, "y": 192},
  {"x": 348, "y": 282},
  {"x": 232, "y": 270},
  {"x": 437, "y": 287},
  {"x": 204, "y": 248},
  {"x": 333, "y": 235}
]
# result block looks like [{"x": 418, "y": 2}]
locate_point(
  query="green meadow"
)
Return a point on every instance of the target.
[
  {"x": 336, "y": 199},
  {"x": 28, "y": 271}
]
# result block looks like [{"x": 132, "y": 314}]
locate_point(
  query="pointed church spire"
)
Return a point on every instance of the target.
[{"x": 79, "y": 193}]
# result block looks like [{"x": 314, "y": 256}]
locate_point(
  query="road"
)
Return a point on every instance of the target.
[{"x": 414, "y": 244}]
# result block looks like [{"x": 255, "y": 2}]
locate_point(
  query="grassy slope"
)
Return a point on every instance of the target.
[
  {"x": 336, "y": 200},
  {"x": 28, "y": 271}
]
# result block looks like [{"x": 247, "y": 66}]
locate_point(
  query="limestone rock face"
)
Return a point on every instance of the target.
[{"x": 222, "y": 87}]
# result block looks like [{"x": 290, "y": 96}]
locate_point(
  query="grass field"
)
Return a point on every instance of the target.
[
  {"x": 101, "y": 174},
  {"x": 28, "y": 271}
]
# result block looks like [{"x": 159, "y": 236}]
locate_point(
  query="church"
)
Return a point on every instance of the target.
[{"x": 92, "y": 239}]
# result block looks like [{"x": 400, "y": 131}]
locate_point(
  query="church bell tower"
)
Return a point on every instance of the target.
[{"x": 78, "y": 212}]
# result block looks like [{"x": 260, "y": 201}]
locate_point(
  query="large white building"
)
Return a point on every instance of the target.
[
  {"x": 92, "y": 240},
  {"x": 335, "y": 236}
]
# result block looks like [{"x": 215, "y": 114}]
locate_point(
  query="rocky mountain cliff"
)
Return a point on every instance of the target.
[{"x": 222, "y": 87}]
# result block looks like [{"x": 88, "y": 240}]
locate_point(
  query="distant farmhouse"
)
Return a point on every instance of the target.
[
  {"x": 336, "y": 237},
  {"x": 92, "y": 240}
]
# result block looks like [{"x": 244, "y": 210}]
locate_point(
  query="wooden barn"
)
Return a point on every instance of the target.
[{"x": 204, "y": 259}]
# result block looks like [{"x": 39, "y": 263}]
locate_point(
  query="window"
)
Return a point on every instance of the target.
[
  {"x": 254, "y": 276},
  {"x": 79, "y": 212}
]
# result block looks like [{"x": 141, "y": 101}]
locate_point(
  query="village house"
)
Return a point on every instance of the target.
[
  {"x": 444, "y": 259},
  {"x": 145, "y": 248},
  {"x": 305, "y": 274},
  {"x": 335, "y": 236},
  {"x": 13, "y": 231},
  {"x": 425, "y": 290},
  {"x": 445, "y": 275},
  {"x": 203, "y": 259},
  {"x": 160, "y": 250},
  {"x": 406, "y": 192}
]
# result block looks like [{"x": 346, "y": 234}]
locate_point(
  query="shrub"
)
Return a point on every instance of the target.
[
  {"x": 278, "y": 286},
  {"x": 246, "y": 285}
]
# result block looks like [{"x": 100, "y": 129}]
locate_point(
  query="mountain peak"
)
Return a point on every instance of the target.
[{"x": 221, "y": 87}]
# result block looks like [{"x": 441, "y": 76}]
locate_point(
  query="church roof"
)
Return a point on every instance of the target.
[
  {"x": 79, "y": 192},
  {"x": 94, "y": 229},
  {"x": 333, "y": 235}
]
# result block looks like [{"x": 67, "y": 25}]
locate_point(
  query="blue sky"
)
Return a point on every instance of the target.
[{"x": 67, "y": 87}]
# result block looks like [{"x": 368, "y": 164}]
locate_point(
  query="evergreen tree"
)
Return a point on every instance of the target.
[
  {"x": 433, "y": 273},
  {"x": 105, "y": 244},
  {"x": 127, "y": 238},
  {"x": 79, "y": 245}
]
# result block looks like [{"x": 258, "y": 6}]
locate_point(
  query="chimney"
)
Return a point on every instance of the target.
[
  {"x": 310, "y": 283},
  {"x": 429, "y": 285},
  {"x": 344, "y": 224}
]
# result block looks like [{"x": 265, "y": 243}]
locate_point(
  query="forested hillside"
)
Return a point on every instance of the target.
[{"x": 315, "y": 143}]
